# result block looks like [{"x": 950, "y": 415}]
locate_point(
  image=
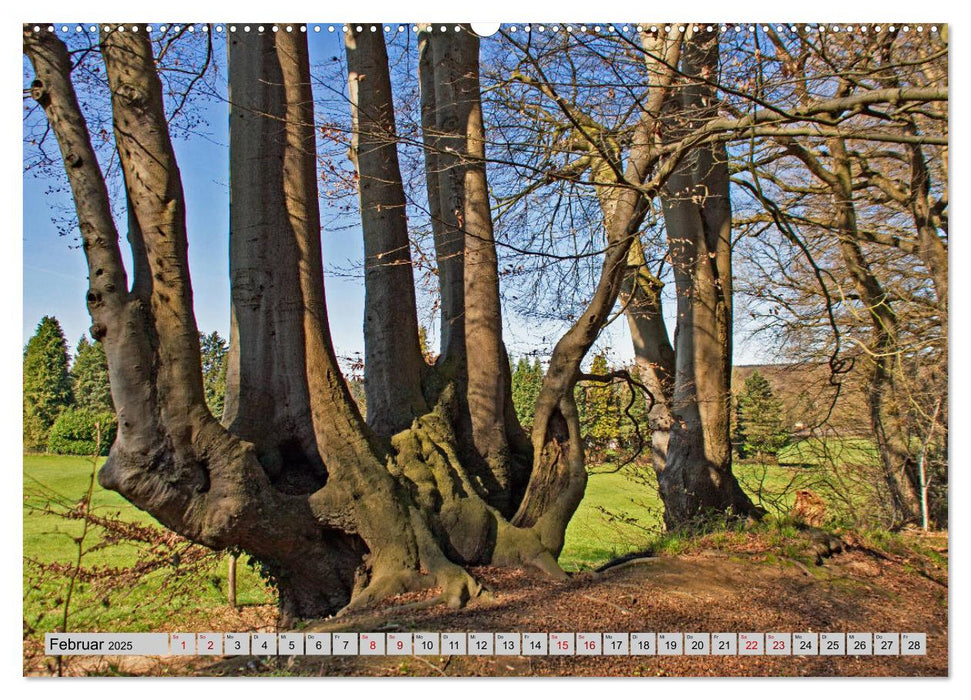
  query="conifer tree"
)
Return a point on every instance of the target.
[
  {"x": 89, "y": 378},
  {"x": 760, "y": 429},
  {"x": 214, "y": 349},
  {"x": 526, "y": 381},
  {"x": 602, "y": 409},
  {"x": 47, "y": 384}
]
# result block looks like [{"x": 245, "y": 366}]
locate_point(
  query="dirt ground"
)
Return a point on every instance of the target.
[{"x": 746, "y": 588}]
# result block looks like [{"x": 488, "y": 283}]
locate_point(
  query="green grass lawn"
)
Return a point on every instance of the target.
[
  {"x": 819, "y": 451},
  {"x": 621, "y": 513},
  {"x": 154, "y": 601}
]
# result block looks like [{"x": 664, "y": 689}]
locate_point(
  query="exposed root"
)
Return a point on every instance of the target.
[
  {"x": 633, "y": 557},
  {"x": 384, "y": 585},
  {"x": 546, "y": 562},
  {"x": 626, "y": 564},
  {"x": 459, "y": 587},
  {"x": 450, "y": 521}
]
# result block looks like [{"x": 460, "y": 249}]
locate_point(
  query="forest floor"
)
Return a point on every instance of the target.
[{"x": 764, "y": 580}]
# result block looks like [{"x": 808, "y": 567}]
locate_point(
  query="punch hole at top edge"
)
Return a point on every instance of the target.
[{"x": 485, "y": 29}]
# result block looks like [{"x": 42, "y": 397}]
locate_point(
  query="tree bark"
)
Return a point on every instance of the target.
[
  {"x": 393, "y": 361},
  {"x": 449, "y": 242},
  {"x": 697, "y": 476},
  {"x": 653, "y": 353},
  {"x": 468, "y": 266},
  {"x": 267, "y": 397}
]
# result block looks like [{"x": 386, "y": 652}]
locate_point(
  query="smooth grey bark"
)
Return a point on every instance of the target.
[
  {"x": 641, "y": 290},
  {"x": 689, "y": 382},
  {"x": 393, "y": 361},
  {"x": 267, "y": 397},
  {"x": 697, "y": 475},
  {"x": 437, "y": 119},
  {"x": 473, "y": 353},
  {"x": 653, "y": 352}
]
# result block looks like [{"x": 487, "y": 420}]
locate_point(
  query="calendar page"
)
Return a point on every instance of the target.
[{"x": 448, "y": 349}]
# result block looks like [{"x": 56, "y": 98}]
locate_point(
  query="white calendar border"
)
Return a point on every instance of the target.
[{"x": 11, "y": 285}]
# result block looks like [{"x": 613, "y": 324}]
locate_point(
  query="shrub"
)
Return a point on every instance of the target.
[{"x": 74, "y": 433}]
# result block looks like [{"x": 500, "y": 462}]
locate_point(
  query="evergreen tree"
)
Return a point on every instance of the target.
[
  {"x": 527, "y": 379},
  {"x": 760, "y": 429},
  {"x": 89, "y": 378},
  {"x": 602, "y": 409},
  {"x": 214, "y": 349},
  {"x": 47, "y": 384}
]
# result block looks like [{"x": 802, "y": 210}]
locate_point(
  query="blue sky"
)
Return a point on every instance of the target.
[{"x": 55, "y": 275}]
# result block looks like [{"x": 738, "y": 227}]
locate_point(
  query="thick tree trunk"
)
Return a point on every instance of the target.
[
  {"x": 559, "y": 476},
  {"x": 392, "y": 355},
  {"x": 690, "y": 382},
  {"x": 267, "y": 397},
  {"x": 653, "y": 352},
  {"x": 697, "y": 476},
  {"x": 494, "y": 445},
  {"x": 437, "y": 120}
]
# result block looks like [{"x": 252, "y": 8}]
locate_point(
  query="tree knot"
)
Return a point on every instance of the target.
[
  {"x": 131, "y": 95},
  {"x": 94, "y": 298},
  {"x": 98, "y": 331},
  {"x": 39, "y": 92}
]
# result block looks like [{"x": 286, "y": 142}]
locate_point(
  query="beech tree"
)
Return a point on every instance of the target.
[
  {"x": 726, "y": 93},
  {"x": 341, "y": 510},
  {"x": 688, "y": 381},
  {"x": 864, "y": 212}
]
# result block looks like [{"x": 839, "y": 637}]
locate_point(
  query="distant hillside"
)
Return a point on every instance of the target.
[{"x": 808, "y": 394}]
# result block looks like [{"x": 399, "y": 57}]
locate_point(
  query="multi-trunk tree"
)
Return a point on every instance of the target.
[
  {"x": 688, "y": 380},
  {"x": 342, "y": 511},
  {"x": 339, "y": 511},
  {"x": 727, "y": 94}
]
